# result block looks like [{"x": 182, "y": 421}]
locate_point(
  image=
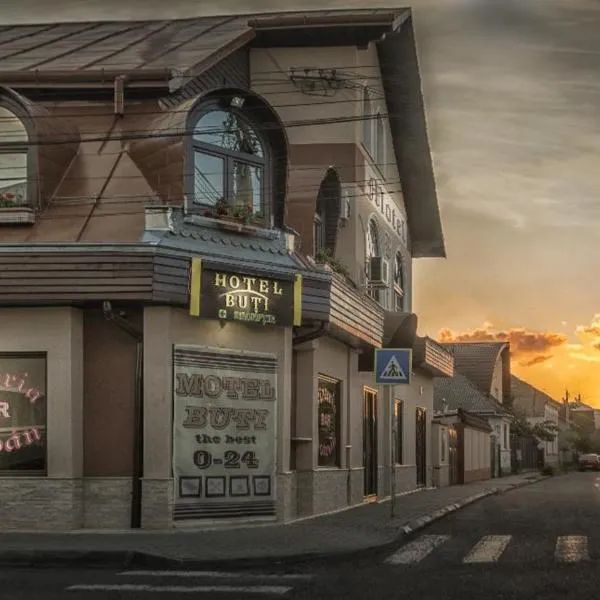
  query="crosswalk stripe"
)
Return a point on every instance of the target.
[
  {"x": 488, "y": 549},
  {"x": 218, "y": 575},
  {"x": 275, "y": 590},
  {"x": 417, "y": 550},
  {"x": 571, "y": 548}
]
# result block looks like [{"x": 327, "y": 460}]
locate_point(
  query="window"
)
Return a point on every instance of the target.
[
  {"x": 398, "y": 432},
  {"x": 229, "y": 162},
  {"x": 367, "y": 115},
  {"x": 13, "y": 160},
  {"x": 373, "y": 249},
  {"x": 379, "y": 143},
  {"x": 398, "y": 283},
  {"x": 443, "y": 444},
  {"x": 328, "y": 392},
  {"x": 22, "y": 414}
]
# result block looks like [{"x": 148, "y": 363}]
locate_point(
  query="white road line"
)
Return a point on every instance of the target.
[
  {"x": 217, "y": 575},
  {"x": 488, "y": 549},
  {"x": 571, "y": 548},
  {"x": 275, "y": 590},
  {"x": 416, "y": 551}
]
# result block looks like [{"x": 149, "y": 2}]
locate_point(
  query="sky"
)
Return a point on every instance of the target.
[{"x": 513, "y": 107}]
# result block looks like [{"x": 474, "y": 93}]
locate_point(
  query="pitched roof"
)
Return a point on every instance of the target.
[
  {"x": 171, "y": 49},
  {"x": 477, "y": 361},
  {"x": 529, "y": 398},
  {"x": 453, "y": 393}
]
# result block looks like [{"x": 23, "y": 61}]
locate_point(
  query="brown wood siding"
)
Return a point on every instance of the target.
[
  {"x": 355, "y": 312},
  {"x": 58, "y": 276},
  {"x": 315, "y": 300},
  {"x": 171, "y": 279},
  {"x": 233, "y": 72},
  {"x": 109, "y": 358}
]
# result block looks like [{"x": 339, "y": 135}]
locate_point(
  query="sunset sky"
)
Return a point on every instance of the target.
[{"x": 513, "y": 102}]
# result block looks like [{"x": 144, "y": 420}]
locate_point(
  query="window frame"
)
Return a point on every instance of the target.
[
  {"x": 398, "y": 447},
  {"x": 27, "y": 148},
  {"x": 379, "y": 143},
  {"x": 373, "y": 242},
  {"x": 368, "y": 139},
  {"x": 38, "y": 473},
  {"x": 229, "y": 157},
  {"x": 398, "y": 288},
  {"x": 337, "y": 383}
]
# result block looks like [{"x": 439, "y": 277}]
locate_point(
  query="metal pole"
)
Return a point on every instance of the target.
[{"x": 392, "y": 456}]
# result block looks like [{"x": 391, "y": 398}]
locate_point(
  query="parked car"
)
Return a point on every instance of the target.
[{"x": 589, "y": 461}]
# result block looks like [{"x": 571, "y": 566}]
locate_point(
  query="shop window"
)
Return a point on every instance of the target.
[
  {"x": 398, "y": 432},
  {"x": 23, "y": 414},
  {"x": 229, "y": 162},
  {"x": 14, "y": 154},
  {"x": 328, "y": 396}
]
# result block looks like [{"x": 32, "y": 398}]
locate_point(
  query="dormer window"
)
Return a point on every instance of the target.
[
  {"x": 230, "y": 161},
  {"x": 14, "y": 153}
]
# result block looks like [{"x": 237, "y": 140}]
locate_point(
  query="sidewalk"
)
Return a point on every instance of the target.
[{"x": 342, "y": 534}]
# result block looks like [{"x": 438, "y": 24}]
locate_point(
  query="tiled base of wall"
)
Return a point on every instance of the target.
[
  {"x": 36, "y": 503},
  {"x": 107, "y": 503},
  {"x": 157, "y": 503}
]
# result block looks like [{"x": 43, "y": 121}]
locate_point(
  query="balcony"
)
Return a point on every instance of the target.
[{"x": 432, "y": 358}]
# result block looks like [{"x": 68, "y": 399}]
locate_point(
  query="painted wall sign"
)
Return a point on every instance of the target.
[
  {"x": 387, "y": 208},
  {"x": 244, "y": 298},
  {"x": 224, "y": 433},
  {"x": 22, "y": 413}
]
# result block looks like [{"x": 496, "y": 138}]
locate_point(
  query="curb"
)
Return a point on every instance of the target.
[{"x": 127, "y": 559}]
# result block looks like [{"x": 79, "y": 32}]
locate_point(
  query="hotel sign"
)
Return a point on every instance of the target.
[{"x": 230, "y": 296}]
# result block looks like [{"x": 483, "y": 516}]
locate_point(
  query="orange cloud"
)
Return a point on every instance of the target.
[
  {"x": 521, "y": 341},
  {"x": 574, "y": 364}
]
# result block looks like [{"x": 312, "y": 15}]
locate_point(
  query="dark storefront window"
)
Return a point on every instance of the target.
[
  {"x": 328, "y": 396},
  {"x": 22, "y": 414},
  {"x": 398, "y": 432}
]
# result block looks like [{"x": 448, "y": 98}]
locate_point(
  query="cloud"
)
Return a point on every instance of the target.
[
  {"x": 536, "y": 360},
  {"x": 590, "y": 334},
  {"x": 522, "y": 341}
]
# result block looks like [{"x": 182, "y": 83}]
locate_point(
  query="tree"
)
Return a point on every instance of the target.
[{"x": 544, "y": 431}]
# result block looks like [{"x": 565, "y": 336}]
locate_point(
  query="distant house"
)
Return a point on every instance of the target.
[
  {"x": 453, "y": 394},
  {"x": 487, "y": 366},
  {"x": 538, "y": 408}
]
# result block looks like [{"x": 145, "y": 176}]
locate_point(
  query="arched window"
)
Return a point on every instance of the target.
[
  {"x": 379, "y": 143},
  {"x": 367, "y": 114},
  {"x": 14, "y": 151},
  {"x": 373, "y": 250},
  {"x": 398, "y": 282},
  {"x": 319, "y": 232},
  {"x": 230, "y": 161}
]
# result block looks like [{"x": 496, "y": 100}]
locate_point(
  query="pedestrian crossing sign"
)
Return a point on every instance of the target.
[{"x": 393, "y": 366}]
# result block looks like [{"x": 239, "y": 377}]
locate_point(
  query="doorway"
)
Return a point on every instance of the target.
[
  {"x": 453, "y": 461},
  {"x": 421, "y": 446},
  {"x": 370, "y": 441}
]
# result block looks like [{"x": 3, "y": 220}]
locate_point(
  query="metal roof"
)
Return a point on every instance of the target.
[{"x": 453, "y": 393}]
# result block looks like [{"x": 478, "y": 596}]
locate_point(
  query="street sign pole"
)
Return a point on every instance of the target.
[
  {"x": 390, "y": 403},
  {"x": 393, "y": 366}
]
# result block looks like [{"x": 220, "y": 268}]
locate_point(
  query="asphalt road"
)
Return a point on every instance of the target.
[{"x": 540, "y": 542}]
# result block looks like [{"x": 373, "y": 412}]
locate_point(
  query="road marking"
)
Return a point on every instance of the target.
[
  {"x": 571, "y": 548},
  {"x": 488, "y": 549},
  {"x": 275, "y": 590},
  {"x": 216, "y": 575},
  {"x": 416, "y": 551}
]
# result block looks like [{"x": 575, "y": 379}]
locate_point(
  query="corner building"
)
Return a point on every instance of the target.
[{"x": 203, "y": 240}]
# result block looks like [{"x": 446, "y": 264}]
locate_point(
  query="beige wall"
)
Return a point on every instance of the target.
[
  {"x": 477, "y": 450},
  {"x": 164, "y": 327},
  {"x": 53, "y": 502},
  {"x": 440, "y": 464},
  {"x": 270, "y": 69}
]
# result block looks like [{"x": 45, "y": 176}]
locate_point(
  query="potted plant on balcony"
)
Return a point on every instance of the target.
[
  {"x": 323, "y": 256},
  {"x": 241, "y": 219}
]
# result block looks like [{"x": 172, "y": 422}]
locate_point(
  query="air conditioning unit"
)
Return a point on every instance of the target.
[{"x": 379, "y": 271}]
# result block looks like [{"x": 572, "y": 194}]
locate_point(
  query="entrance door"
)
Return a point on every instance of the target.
[
  {"x": 421, "y": 445},
  {"x": 453, "y": 455},
  {"x": 370, "y": 441}
]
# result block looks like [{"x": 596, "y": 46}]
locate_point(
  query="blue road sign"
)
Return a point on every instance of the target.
[{"x": 392, "y": 366}]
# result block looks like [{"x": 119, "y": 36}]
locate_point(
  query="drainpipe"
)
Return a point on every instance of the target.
[{"x": 138, "y": 419}]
